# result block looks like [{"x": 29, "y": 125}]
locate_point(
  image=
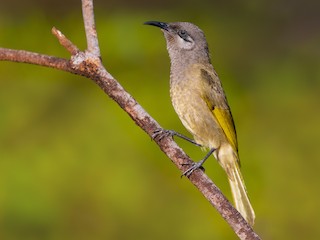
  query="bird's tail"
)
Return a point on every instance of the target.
[
  {"x": 238, "y": 188},
  {"x": 239, "y": 193}
]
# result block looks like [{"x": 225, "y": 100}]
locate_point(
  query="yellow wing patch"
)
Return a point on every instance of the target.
[{"x": 225, "y": 120}]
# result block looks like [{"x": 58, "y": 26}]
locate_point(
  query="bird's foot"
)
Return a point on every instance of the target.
[
  {"x": 194, "y": 166},
  {"x": 161, "y": 133}
]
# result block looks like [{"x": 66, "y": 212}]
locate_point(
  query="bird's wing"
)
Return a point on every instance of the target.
[{"x": 217, "y": 102}]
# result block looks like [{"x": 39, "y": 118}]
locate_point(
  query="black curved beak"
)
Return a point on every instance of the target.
[{"x": 161, "y": 25}]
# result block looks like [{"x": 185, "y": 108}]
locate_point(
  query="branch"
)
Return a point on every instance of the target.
[
  {"x": 33, "y": 58},
  {"x": 90, "y": 28},
  {"x": 88, "y": 64},
  {"x": 65, "y": 42}
]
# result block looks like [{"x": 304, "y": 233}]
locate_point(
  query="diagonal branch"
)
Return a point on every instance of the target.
[{"x": 88, "y": 64}]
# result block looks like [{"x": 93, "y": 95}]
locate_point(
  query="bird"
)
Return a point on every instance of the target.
[{"x": 200, "y": 102}]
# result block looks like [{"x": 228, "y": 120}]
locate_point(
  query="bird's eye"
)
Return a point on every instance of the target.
[{"x": 183, "y": 34}]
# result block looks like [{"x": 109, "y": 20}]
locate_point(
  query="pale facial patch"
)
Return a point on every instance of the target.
[{"x": 184, "y": 44}]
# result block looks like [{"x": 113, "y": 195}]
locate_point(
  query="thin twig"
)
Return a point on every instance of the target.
[
  {"x": 90, "y": 28},
  {"x": 65, "y": 42}
]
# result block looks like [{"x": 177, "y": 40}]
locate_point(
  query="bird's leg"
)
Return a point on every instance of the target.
[
  {"x": 160, "y": 133},
  {"x": 197, "y": 165}
]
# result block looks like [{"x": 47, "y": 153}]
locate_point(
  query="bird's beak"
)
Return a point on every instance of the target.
[{"x": 161, "y": 25}]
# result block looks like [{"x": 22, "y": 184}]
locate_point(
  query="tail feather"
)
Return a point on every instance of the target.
[
  {"x": 229, "y": 161},
  {"x": 239, "y": 193}
]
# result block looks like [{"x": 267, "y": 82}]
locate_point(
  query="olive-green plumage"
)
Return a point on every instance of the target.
[{"x": 199, "y": 100}]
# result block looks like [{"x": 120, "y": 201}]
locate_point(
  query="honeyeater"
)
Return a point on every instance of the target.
[{"x": 201, "y": 104}]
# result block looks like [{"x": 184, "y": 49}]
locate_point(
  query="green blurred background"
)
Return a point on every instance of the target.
[{"x": 73, "y": 165}]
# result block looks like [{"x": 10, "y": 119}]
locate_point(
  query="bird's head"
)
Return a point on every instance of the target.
[{"x": 183, "y": 38}]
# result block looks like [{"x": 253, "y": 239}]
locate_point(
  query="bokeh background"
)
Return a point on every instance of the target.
[{"x": 73, "y": 165}]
